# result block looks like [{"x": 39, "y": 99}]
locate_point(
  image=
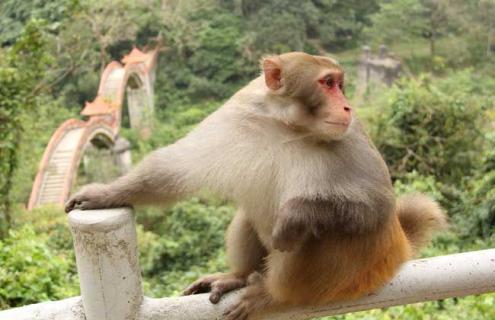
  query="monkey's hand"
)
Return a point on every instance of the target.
[
  {"x": 289, "y": 231},
  {"x": 217, "y": 284},
  {"x": 93, "y": 196}
]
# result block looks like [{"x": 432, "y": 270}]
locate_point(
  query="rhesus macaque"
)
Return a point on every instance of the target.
[{"x": 317, "y": 219}]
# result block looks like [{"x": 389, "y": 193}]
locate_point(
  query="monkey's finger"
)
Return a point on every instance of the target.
[
  {"x": 217, "y": 290},
  {"x": 220, "y": 287},
  {"x": 197, "y": 287},
  {"x": 69, "y": 205},
  {"x": 215, "y": 296}
]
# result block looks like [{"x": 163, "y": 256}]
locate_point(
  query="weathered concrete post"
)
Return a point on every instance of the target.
[{"x": 107, "y": 263}]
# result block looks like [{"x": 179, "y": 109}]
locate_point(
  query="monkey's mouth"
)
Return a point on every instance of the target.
[{"x": 335, "y": 123}]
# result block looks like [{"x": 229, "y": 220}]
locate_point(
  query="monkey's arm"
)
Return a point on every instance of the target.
[
  {"x": 300, "y": 218},
  {"x": 160, "y": 177},
  {"x": 199, "y": 160}
]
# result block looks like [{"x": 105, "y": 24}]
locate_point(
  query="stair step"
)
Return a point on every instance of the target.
[
  {"x": 53, "y": 186},
  {"x": 51, "y": 195},
  {"x": 53, "y": 189},
  {"x": 61, "y": 159},
  {"x": 54, "y": 180},
  {"x": 42, "y": 201}
]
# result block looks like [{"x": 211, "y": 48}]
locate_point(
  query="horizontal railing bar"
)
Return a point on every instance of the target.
[
  {"x": 106, "y": 252},
  {"x": 429, "y": 279}
]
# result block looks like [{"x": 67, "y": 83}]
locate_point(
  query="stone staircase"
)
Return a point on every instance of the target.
[{"x": 59, "y": 166}]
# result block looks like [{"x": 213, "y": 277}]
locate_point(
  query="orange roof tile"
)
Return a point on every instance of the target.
[
  {"x": 135, "y": 55},
  {"x": 99, "y": 106}
]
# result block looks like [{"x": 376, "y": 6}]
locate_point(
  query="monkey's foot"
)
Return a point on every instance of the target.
[
  {"x": 253, "y": 299},
  {"x": 216, "y": 284}
]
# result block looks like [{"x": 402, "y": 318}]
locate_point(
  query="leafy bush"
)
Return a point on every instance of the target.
[
  {"x": 48, "y": 221},
  {"x": 433, "y": 127},
  {"x": 32, "y": 271},
  {"x": 192, "y": 232},
  {"x": 476, "y": 213},
  {"x": 413, "y": 182}
]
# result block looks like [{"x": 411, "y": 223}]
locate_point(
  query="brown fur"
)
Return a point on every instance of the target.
[
  {"x": 349, "y": 266},
  {"x": 318, "y": 220},
  {"x": 419, "y": 216}
]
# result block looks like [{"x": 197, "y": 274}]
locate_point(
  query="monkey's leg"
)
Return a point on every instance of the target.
[
  {"x": 293, "y": 278},
  {"x": 245, "y": 253},
  {"x": 158, "y": 178},
  {"x": 332, "y": 268},
  {"x": 254, "y": 298}
]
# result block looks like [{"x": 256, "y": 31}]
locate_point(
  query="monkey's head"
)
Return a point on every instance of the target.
[{"x": 311, "y": 92}]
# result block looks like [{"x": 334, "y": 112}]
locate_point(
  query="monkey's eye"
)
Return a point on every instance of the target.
[{"x": 329, "y": 82}]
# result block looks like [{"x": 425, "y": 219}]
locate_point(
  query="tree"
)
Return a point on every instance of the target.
[
  {"x": 14, "y": 15},
  {"x": 109, "y": 21},
  {"x": 406, "y": 20},
  {"x": 476, "y": 19},
  {"x": 340, "y": 23},
  {"x": 20, "y": 78}
]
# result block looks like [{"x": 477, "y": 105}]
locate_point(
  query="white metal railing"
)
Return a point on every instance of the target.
[{"x": 107, "y": 263}]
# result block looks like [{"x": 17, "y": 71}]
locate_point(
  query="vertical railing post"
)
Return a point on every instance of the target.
[{"x": 107, "y": 262}]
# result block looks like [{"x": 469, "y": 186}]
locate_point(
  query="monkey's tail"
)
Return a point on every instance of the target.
[{"x": 420, "y": 216}]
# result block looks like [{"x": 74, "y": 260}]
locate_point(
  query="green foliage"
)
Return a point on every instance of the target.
[
  {"x": 412, "y": 182},
  {"x": 215, "y": 60},
  {"x": 192, "y": 234},
  {"x": 20, "y": 73},
  {"x": 38, "y": 126},
  {"x": 48, "y": 221},
  {"x": 191, "y": 242},
  {"x": 286, "y": 24},
  {"x": 482, "y": 217},
  {"x": 10, "y": 90},
  {"x": 340, "y": 24},
  {"x": 15, "y": 14},
  {"x": 32, "y": 271},
  {"x": 214, "y": 46},
  {"x": 206, "y": 63},
  {"x": 476, "y": 213},
  {"x": 170, "y": 125},
  {"x": 466, "y": 26},
  {"x": 433, "y": 127},
  {"x": 434, "y": 132},
  {"x": 407, "y": 19}
]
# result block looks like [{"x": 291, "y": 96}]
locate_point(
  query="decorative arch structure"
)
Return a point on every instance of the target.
[{"x": 133, "y": 77}]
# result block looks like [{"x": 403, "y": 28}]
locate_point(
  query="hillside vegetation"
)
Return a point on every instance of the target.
[{"x": 434, "y": 126}]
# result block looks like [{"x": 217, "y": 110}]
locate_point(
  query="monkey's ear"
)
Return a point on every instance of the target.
[{"x": 272, "y": 70}]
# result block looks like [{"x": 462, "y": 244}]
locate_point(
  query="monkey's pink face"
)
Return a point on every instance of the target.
[
  {"x": 334, "y": 114},
  {"x": 313, "y": 87}
]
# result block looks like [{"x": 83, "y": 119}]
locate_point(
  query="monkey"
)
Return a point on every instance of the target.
[{"x": 317, "y": 218}]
